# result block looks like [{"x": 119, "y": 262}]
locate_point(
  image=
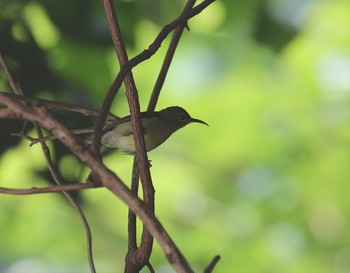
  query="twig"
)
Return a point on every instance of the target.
[
  {"x": 51, "y": 137},
  {"x": 54, "y": 173},
  {"x": 14, "y": 85},
  {"x": 150, "y": 267},
  {"x": 167, "y": 60},
  {"x": 213, "y": 263},
  {"x": 132, "y": 242},
  {"x": 59, "y": 181},
  {"x": 49, "y": 189},
  {"x": 60, "y": 105}
]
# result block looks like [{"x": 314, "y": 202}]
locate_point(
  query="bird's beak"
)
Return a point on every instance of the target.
[{"x": 198, "y": 121}]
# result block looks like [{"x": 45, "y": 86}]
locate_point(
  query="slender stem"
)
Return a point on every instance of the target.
[
  {"x": 60, "y": 105},
  {"x": 168, "y": 58},
  {"x": 132, "y": 242},
  {"x": 142, "y": 254},
  {"x": 17, "y": 89},
  {"x": 108, "y": 179},
  {"x": 212, "y": 264},
  {"x": 50, "y": 189}
]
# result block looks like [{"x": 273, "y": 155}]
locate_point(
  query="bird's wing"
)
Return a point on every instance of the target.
[{"x": 143, "y": 115}]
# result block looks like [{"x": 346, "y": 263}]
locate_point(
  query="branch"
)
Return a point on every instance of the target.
[
  {"x": 138, "y": 257},
  {"x": 108, "y": 178},
  {"x": 51, "y": 137},
  {"x": 69, "y": 196},
  {"x": 54, "y": 173},
  {"x": 8, "y": 113},
  {"x": 60, "y": 105},
  {"x": 146, "y": 54},
  {"x": 213, "y": 263},
  {"x": 168, "y": 58},
  {"x": 50, "y": 189},
  {"x": 14, "y": 84},
  {"x": 132, "y": 242}
]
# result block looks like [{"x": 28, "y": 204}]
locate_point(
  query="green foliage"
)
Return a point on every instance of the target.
[{"x": 265, "y": 186}]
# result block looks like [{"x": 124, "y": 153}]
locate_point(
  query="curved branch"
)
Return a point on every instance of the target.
[{"x": 17, "y": 89}]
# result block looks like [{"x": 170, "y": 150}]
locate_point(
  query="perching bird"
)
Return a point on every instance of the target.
[{"x": 157, "y": 127}]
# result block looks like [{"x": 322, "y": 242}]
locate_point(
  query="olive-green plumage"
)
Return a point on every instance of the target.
[{"x": 157, "y": 127}]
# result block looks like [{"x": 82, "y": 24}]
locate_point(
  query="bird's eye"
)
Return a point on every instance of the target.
[{"x": 182, "y": 117}]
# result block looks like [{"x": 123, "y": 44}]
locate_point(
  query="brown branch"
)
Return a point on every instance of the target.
[
  {"x": 168, "y": 58},
  {"x": 51, "y": 137},
  {"x": 144, "y": 55},
  {"x": 60, "y": 105},
  {"x": 13, "y": 83},
  {"x": 132, "y": 242},
  {"x": 150, "y": 267},
  {"x": 139, "y": 258},
  {"x": 54, "y": 173},
  {"x": 212, "y": 264},
  {"x": 59, "y": 181},
  {"x": 50, "y": 189},
  {"x": 108, "y": 179},
  {"x": 8, "y": 113}
]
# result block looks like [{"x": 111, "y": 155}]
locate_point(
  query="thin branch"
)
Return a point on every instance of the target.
[
  {"x": 168, "y": 58},
  {"x": 60, "y": 105},
  {"x": 49, "y": 189},
  {"x": 13, "y": 83},
  {"x": 108, "y": 179},
  {"x": 59, "y": 181},
  {"x": 54, "y": 173},
  {"x": 34, "y": 140},
  {"x": 146, "y": 54},
  {"x": 213, "y": 263},
  {"x": 150, "y": 267},
  {"x": 141, "y": 256},
  {"x": 132, "y": 242}
]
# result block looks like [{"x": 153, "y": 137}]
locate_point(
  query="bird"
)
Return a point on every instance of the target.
[{"x": 157, "y": 127}]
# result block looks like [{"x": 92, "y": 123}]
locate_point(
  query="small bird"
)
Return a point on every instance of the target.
[{"x": 157, "y": 128}]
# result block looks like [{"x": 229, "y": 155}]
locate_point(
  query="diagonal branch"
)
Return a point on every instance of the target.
[
  {"x": 108, "y": 178},
  {"x": 168, "y": 58},
  {"x": 53, "y": 170},
  {"x": 212, "y": 264}
]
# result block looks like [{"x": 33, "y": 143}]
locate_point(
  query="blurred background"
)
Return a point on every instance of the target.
[{"x": 266, "y": 186}]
